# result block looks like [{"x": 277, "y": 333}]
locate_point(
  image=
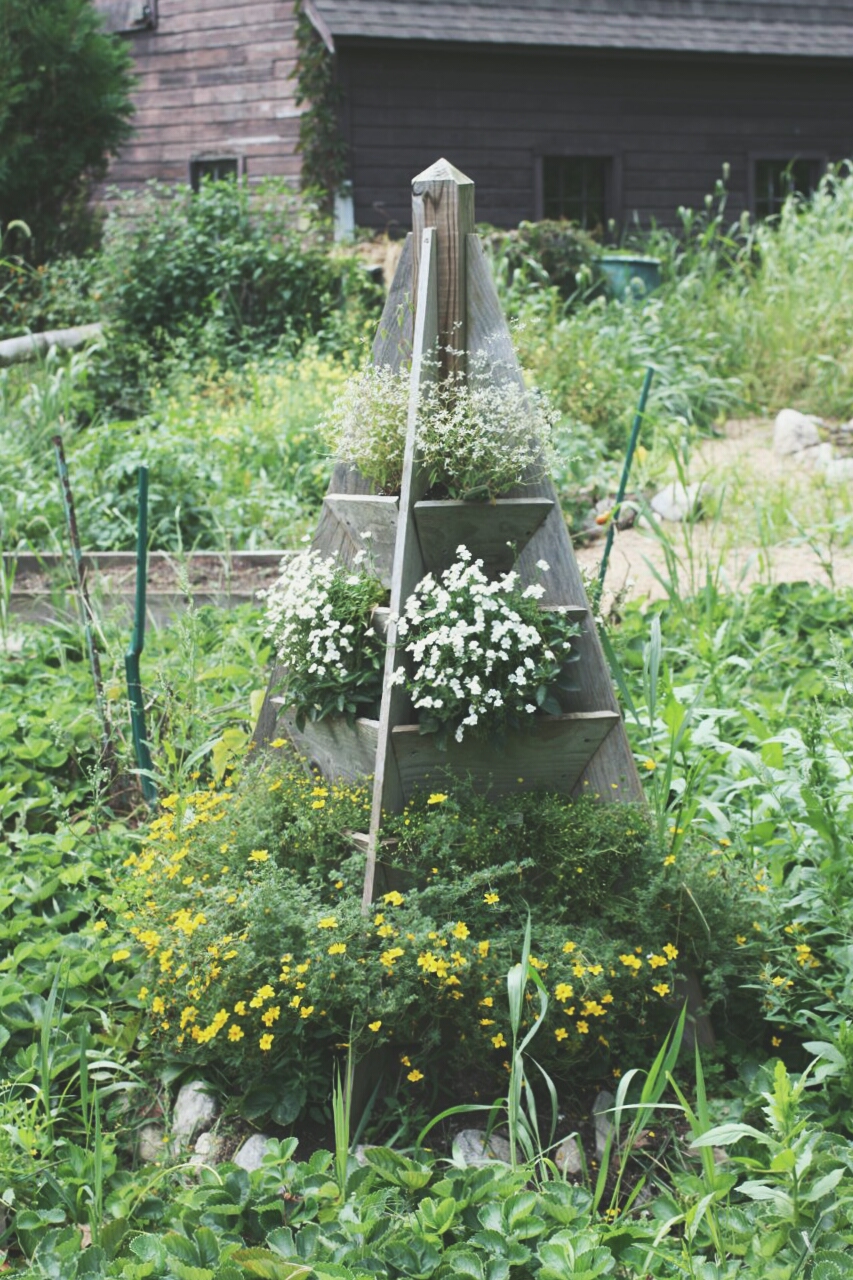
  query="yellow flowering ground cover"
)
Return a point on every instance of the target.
[{"x": 243, "y": 916}]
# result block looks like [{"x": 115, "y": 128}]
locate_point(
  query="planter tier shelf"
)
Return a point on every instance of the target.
[{"x": 443, "y": 300}]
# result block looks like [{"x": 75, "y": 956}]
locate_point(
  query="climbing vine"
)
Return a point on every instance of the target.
[{"x": 323, "y": 149}]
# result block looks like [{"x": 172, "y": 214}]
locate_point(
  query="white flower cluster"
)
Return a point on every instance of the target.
[
  {"x": 482, "y": 653},
  {"x": 317, "y": 615},
  {"x": 478, "y": 436}
]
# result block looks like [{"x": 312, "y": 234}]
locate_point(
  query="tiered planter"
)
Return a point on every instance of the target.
[{"x": 443, "y": 269}]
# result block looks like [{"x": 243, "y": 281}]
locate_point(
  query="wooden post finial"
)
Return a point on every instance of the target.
[{"x": 443, "y": 198}]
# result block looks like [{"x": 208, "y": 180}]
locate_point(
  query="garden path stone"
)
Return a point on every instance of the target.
[
  {"x": 251, "y": 1154},
  {"x": 603, "y": 1123},
  {"x": 151, "y": 1142},
  {"x": 794, "y": 431},
  {"x": 568, "y": 1158},
  {"x": 839, "y": 471},
  {"x": 474, "y": 1149},
  {"x": 206, "y": 1149},
  {"x": 194, "y": 1108},
  {"x": 679, "y": 502}
]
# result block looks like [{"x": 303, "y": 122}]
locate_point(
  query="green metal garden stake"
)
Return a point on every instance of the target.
[
  {"x": 131, "y": 658},
  {"x": 623, "y": 483}
]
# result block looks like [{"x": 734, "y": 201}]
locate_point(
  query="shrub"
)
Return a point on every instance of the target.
[{"x": 64, "y": 109}]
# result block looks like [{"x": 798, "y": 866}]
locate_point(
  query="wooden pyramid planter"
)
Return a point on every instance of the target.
[{"x": 443, "y": 270}]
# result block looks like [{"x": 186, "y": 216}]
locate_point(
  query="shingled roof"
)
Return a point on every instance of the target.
[{"x": 803, "y": 28}]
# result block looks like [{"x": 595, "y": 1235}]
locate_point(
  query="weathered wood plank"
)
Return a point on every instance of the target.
[
  {"x": 551, "y": 757},
  {"x": 392, "y": 345},
  {"x": 371, "y": 522},
  {"x": 342, "y": 752},
  {"x": 408, "y": 561},
  {"x": 443, "y": 198},
  {"x": 492, "y": 531}
]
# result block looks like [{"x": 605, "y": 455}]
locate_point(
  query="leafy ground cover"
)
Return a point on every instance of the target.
[{"x": 222, "y": 936}]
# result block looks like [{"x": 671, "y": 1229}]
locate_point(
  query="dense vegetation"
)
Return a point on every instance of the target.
[{"x": 523, "y": 945}]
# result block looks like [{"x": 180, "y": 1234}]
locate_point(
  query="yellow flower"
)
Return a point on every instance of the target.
[
  {"x": 157, "y": 1005},
  {"x": 278, "y": 742},
  {"x": 740, "y": 939},
  {"x": 121, "y": 954},
  {"x": 295, "y": 1002},
  {"x": 488, "y": 1001},
  {"x": 669, "y": 860},
  {"x": 487, "y": 1022},
  {"x": 568, "y": 947},
  {"x": 775, "y": 1041},
  {"x": 327, "y": 922},
  {"x": 460, "y": 929},
  {"x": 657, "y": 962},
  {"x": 259, "y": 855},
  {"x": 561, "y": 1033},
  {"x": 595, "y": 968},
  {"x": 662, "y": 988},
  {"x": 671, "y": 951},
  {"x": 271, "y": 1015},
  {"x": 498, "y": 1041},
  {"x": 318, "y": 804},
  {"x": 650, "y": 765},
  {"x": 143, "y": 993},
  {"x": 99, "y": 926},
  {"x": 437, "y": 797},
  {"x": 393, "y": 899},
  {"x": 631, "y": 962},
  {"x": 483, "y": 947},
  {"x": 306, "y": 1011},
  {"x": 240, "y": 1008},
  {"x": 337, "y": 948},
  {"x": 266, "y": 992},
  {"x": 388, "y": 957},
  {"x": 235, "y": 1033},
  {"x": 374, "y": 1026},
  {"x": 491, "y": 898},
  {"x": 564, "y": 991},
  {"x": 583, "y": 1027},
  {"x": 265, "y": 1043},
  {"x": 415, "y": 1076},
  {"x": 405, "y": 1059}
]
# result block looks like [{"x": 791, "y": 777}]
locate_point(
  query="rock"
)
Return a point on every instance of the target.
[
  {"x": 679, "y": 502},
  {"x": 471, "y": 1148},
  {"x": 839, "y": 471},
  {"x": 251, "y": 1155},
  {"x": 568, "y": 1157},
  {"x": 793, "y": 431},
  {"x": 151, "y": 1143},
  {"x": 206, "y": 1149},
  {"x": 603, "y": 1123},
  {"x": 820, "y": 457},
  {"x": 194, "y": 1108}
]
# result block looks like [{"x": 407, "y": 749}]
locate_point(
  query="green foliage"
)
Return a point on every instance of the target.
[
  {"x": 321, "y": 143},
  {"x": 64, "y": 109},
  {"x": 548, "y": 253}
]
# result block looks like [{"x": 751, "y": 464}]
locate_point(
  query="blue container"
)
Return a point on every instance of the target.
[{"x": 630, "y": 276}]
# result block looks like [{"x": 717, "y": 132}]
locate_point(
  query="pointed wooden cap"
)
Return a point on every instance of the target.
[{"x": 443, "y": 171}]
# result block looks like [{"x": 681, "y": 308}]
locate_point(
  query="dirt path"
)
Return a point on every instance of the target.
[{"x": 769, "y": 519}]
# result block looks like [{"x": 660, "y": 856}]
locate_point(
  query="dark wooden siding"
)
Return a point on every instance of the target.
[
  {"x": 214, "y": 79},
  {"x": 669, "y": 121}
]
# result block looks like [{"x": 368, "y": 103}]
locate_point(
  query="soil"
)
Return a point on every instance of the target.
[{"x": 749, "y": 533}]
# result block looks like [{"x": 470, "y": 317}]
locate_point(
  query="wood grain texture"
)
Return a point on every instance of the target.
[
  {"x": 552, "y": 756},
  {"x": 611, "y": 773},
  {"x": 342, "y": 752},
  {"x": 443, "y": 198},
  {"x": 408, "y": 562},
  {"x": 371, "y": 523},
  {"x": 492, "y": 531},
  {"x": 392, "y": 345}
]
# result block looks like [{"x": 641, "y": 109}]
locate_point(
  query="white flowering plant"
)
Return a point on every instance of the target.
[
  {"x": 478, "y": 437},
  {"x": 318, "y": 616},
  {"x": 482, "y": 654}
]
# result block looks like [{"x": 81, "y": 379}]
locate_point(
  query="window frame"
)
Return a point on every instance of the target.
[
  {"x": 212, "y": 158},
  {"x": 612, "y": 177},
  {"x": 818, "y": 159}
]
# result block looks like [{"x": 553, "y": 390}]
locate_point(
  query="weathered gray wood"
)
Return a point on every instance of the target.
[
  {"x": 392, "y": 345},
  {"x": 552, "y": 756},
  {"x": 341, "y": 751},
  {"x": 371, "y": 522},
  {"x": 31, "y": 345},
  {"x": 443, "y": 198},
  {"x": 611, "y": 773},
  {"x": 492, "y": 531},
  {"x": 408, "y": 561}
]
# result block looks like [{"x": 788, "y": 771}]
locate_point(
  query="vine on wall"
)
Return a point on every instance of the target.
[{"x": 323, "y": 149}]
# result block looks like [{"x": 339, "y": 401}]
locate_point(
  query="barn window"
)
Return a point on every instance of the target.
[
  {"x": 215, "y": 168},
  {"x": 575, "y": 188},
  {"x": 775, "y": 180}
]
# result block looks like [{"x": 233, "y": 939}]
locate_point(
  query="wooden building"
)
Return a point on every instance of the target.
[
  {"x": 586, "y": 109},
  {"x": 214, "y": 94},
  {"x": 591, "y": 109}
]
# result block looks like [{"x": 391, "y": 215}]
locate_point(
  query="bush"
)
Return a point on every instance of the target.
[
  {"x": 64, "y": 109},
  {"x": 259, "y": 964},
  {"x": 551, "y": 253}
]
